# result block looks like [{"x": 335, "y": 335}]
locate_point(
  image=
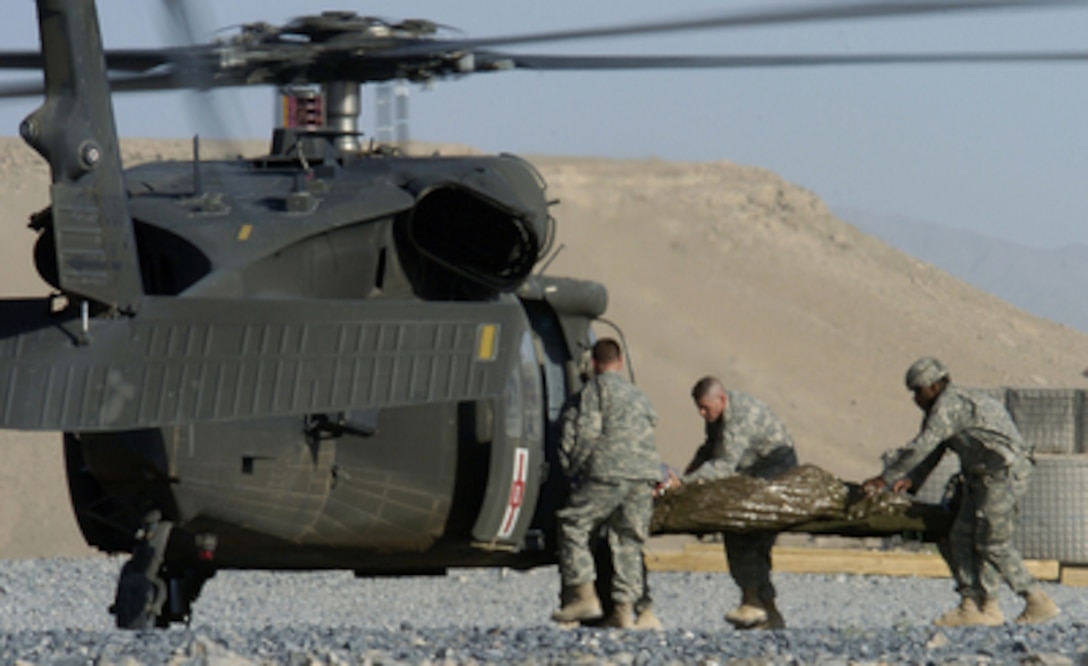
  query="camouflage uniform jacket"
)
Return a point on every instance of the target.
[
  {"x": 974, "y": 425},
  {"x": 608, "y": 432},
  {"x": 747, "y": 439}
]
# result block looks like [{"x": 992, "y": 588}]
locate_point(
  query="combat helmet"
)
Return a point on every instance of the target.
[{"x": 924, "y": 372}]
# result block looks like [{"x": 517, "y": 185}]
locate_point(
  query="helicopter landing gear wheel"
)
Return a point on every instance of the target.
[{"x": 141, "y": 592}]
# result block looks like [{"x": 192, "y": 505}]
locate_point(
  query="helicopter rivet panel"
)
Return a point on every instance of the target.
[
  {"x": 251, "y": 241},
  {"x": 293, "y": 482},
  {"x": 89, "y": 250}
]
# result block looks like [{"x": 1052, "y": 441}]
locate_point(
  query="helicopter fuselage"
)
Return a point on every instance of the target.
[
  {"x": 399, "y": 490},
  {"x": 300, "y": 381}
]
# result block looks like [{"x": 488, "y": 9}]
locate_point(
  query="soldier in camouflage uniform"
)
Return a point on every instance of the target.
[
  {"x": 608, "y": 448},
  {"x": 743, "y": 436},
  {"x": 996, "y": 464}
]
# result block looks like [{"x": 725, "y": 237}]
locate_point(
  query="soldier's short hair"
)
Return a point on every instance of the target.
[
  {"x": 704, "y": 386},
  {"x": 607, "y": 350}
]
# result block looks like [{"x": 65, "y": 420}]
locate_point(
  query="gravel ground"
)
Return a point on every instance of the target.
[{"x": 53, "y": 611}]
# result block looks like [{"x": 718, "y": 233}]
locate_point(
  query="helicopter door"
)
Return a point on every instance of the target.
[{"x": 516, "y": 455}]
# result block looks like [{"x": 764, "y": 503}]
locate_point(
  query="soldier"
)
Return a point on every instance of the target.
[
  {"x": 743, "y": 436},
  {"x": 608, "y": 446},
  {"x": 996, "y": 464}
]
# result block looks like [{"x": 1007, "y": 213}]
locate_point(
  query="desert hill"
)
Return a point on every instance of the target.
[
  {"x": 1045, "y": 281},
  {"x": 712, "y": 268}
]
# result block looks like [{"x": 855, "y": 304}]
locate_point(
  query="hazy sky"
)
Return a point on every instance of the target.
[{"x": 1000, "y": 149}]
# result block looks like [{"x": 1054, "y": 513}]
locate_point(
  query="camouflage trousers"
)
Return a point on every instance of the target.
[
  {"x": 624, "y": 507},
  {"x": 749, "y": 558},
  {"x": 979, "y": 549}
]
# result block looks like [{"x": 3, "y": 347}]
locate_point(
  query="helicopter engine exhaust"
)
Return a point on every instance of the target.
[{"x": 474, "y": 236}]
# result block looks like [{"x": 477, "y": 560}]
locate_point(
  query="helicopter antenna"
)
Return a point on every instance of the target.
[
  {"x": 198, "y": 182},
  {"x": 623, "y": 341},
  {"x": 305, "y": 163}
]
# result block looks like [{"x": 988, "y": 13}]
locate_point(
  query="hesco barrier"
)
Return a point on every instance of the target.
[{"x": 1054, "y": 513}]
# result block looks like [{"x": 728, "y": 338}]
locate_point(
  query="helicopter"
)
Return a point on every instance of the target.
[{"x": 332, "y": 356}]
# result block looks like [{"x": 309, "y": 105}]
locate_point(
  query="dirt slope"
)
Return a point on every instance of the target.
[{"x": 712, "y": 268}]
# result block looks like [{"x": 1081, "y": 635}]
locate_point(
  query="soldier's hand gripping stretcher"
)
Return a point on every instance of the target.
[
  {"x": 874, "y": 485},
  {"x": 669, "y": 481}
]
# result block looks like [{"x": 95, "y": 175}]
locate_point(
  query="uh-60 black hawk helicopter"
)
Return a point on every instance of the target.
[{"x": 331, "y": 356}]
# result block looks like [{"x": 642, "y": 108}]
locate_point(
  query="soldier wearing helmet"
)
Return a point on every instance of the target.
[{"x": 996, "y": 464}]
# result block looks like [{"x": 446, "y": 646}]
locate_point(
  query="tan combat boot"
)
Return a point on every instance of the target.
[
  {"x": 580, "y": 603},
  {"x": 750, "y": 612},
  {"x": 621, "y": 617},
  {"x": 991, "y": 611},
  {"x": 967, "y": 613},
  {"x": 1039, "y": 607},
  {"x": 647, "y": 619},
  {"x": 774, "y": 618}
]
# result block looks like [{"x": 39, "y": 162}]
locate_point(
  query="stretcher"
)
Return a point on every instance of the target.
[{"x": 805, "y": 499}]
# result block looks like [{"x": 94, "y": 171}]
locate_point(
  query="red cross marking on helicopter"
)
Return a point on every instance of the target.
[{"x": 517, "y": 493}]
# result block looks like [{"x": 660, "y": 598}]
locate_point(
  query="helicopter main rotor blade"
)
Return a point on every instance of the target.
[
  {"x": 491, "y": 61},
  {"x": 17, "y": 89},
  {"x": 136, "y": 83},
  {"x": 806, "y": 13},
  {"x": 190, "y": 66},
  {"x": 342, "y": 50},
  {"x": 21, "y": 60},
  {"x": 120, "y": 60},
  {"x": 622, "y": 62},
  {"x": 182, "y": 21}
]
